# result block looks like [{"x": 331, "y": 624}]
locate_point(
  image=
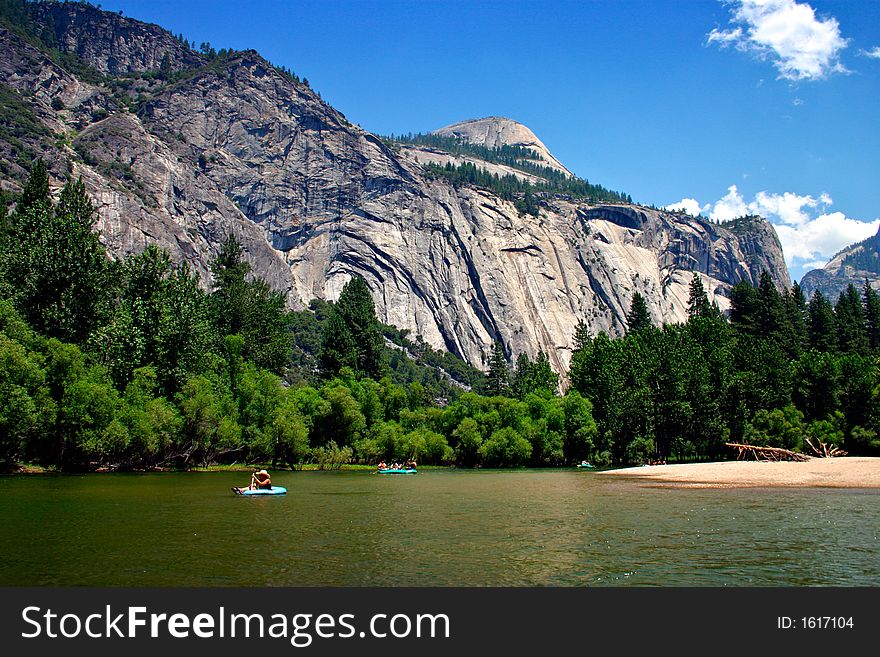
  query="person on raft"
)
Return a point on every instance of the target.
[{"x": 260, "y": 479}]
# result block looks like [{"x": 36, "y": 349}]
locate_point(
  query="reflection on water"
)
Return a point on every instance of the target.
[{"x": 438, "y": 528}]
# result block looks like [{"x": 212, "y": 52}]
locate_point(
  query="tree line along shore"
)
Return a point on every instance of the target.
[{"x": 131, "y": 364}]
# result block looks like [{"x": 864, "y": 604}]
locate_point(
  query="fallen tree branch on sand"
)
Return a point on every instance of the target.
[
  {"x": 824, "y": 451},
  {"x": 757, "y": 453}
]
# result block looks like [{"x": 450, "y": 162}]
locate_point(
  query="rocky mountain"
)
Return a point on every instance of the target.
[
  {"x": 852, "y": 266},
  {"x": 497, "y": 131},
  {"x": 181, "y": 149}
]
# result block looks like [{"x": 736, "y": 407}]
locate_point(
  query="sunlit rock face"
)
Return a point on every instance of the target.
[{"x": 239, "y": 147}]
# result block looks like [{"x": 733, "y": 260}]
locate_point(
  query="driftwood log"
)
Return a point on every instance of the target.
[
  {"x": 757, "y": 453},
  {"x": 824, "y": 451}
]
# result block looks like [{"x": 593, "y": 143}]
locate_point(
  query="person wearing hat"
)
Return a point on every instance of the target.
[{"x": 260, "y": 479}]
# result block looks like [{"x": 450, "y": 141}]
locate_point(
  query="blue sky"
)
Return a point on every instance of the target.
[{"x": 767, "y": 106}]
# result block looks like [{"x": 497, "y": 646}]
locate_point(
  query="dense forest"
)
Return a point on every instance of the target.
[
  {"x": 778, "y": 372},
  {"x": 131, "y": 363}
]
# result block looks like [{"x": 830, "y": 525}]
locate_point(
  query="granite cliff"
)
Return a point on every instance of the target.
[{"x": 181, "y": 149}]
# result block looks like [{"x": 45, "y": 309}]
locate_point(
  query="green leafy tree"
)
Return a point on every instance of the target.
[
  {"x": 505, "y": 448},
  {"x": 342, "y": 420},
  {"x": 777, "y": 428},
  {"x": 468, "y": 438},
  {"x": 580, "y": 428}
]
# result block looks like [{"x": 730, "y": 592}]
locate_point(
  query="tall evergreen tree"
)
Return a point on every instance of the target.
[
  {"x": 772, "y": 319},
  {"x": 582, "y": 336},
  {"x": 36, "y": 189},
  {"x": 498, "y": 377},
  {"x": 337, "y": 348},
  {"x": 851, "y": 335},
  {"x": 638, "y": 318},
  {"x": 229, "y": 297},
  {"x": 798, "y": 317},
  {"x": 535, "y": 377},
  {"x": 353, "y": 338},
  {"x": 872, "y": 315},
  {"x": 823, "y": 324},
  {"x": 745, "y": 309},
  {"x": 698, "y": 301},
  {"x": 249, "y": 308},
  {"x": 53, "y": 266}
]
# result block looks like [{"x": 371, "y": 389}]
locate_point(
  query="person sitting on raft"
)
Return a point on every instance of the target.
[{"x": 260, "y": 479}]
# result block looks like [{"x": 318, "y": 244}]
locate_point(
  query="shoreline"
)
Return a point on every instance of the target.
[{"x": 842, "y": 472}]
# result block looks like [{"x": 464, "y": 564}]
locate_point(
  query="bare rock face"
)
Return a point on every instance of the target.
[
  {"x": 111, "y": 43},
  {"x": 497, "y": 131},
  {"x": 240, "y": 147}
]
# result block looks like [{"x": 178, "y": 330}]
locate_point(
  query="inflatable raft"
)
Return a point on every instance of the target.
[
  {"x": 398, "y": 471},
  {"x": 275, "y": 490}
]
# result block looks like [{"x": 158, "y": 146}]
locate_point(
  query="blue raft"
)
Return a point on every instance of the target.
[
  {"x": 275, "y": 490},
  {"x": 398, "y": 471}
]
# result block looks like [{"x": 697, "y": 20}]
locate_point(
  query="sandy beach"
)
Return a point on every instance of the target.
[{"x": 846, "y": 472}]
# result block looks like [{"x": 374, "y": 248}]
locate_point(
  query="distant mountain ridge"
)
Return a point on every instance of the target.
[
  {"x": 853, "y": 265},
  {"x": 180, "y": 149}
]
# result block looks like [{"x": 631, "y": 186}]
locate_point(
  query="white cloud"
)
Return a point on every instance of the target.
[
  {"x": 787, "y": 207},
  {"x": 873, "y": 52},
  {"x": 729, "y": 207},
  {"x": 822, "y": 237},
  {"x": 810, "y": 235},
  {"x": 788, "y": 33},
  {"x": 813, "y": 264},
  {"x": 689, "y": 205}
]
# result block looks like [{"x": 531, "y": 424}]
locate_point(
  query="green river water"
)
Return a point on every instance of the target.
[{"x": 437, "y": 528}]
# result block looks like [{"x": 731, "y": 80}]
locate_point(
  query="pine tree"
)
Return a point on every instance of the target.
[
  {"x": 745, "y": 309},
  {"x": 582, "y": 336},
  {"x": 638, "y": 318},
  {"x": 250, "y": 309},
  {"x": 872, "y": 315},
  {"x": 698, "y": 302},
  {"x": 36, "y": 189},
  {"x": 798, "y": 317},
  {"x": 337, "y": 348},
  {"x": 358, "y": 313},
  {"x": 772, "y": 319},
  {"x": 851, "y": 334},
  {"x": 498, "y": 378},
  {"x": 53, "y": 266},
  {"x": 229, "y": 298},
  {"x": 535, "y": 377},
  {"x": 823, "y": 324}
]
